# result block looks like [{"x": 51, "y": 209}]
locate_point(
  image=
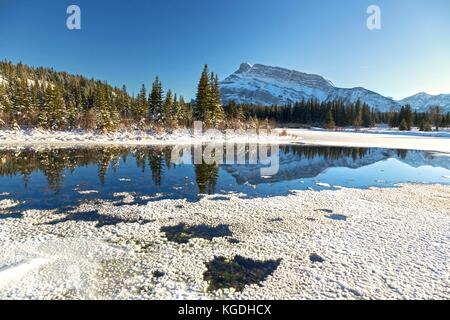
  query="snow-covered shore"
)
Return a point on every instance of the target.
[
  {"x": 373, "y": 139},
  {"x": 375, "y": 244},
  {"x": 382, "y": 139},
  {"x": 180, "y": 136}
]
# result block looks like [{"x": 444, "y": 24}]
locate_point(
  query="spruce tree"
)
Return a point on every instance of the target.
[
  {"x": 5, "y": 106},
  {"x": 71, "y": 113},
  {"x": 203, "y": 97},
  {"x": 367, "y": 120},
  {"x": 105, "y": 122},
  {"x": 168, "y": 105},
  {"x": 21, "y": 99},
  {"x": 357, "y": 118},
  {"x": 185, "y": 116},
  {"x": 45, "y": 110},
  {"x": 59, "y": 118},
  {"x": 156, "y": 105},
  {"x": 403, "y": 126},
  {"x": 177, "y": 110},
  {"x": 330, "y": 120},
  {"x": 141, "y": 104},
  {"x": 215, "y": 110}
]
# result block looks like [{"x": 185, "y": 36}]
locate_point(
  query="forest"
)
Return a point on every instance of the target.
[{"x": 44, "y": 98}]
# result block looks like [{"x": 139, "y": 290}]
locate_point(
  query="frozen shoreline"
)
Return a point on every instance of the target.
[
  {"x": 37, "y": 138},
  {"x": 392, "y": 244},
  {"x": 386, "y": 139},
  {"x": 182, "y": 136}
]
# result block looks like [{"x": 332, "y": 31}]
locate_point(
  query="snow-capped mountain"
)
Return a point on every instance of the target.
[
  {"x": 423, "y": 101},
  {"x": 266, "y": 85}
]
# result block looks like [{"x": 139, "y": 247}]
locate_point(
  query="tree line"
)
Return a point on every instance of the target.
[
  {"x": 44, "y": 98},
  {"x": 334, "y": 114}
]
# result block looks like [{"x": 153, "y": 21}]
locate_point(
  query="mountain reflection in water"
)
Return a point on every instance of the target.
[{"x": 56, "y": 178}]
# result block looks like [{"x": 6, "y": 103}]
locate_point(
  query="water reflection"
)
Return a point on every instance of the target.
[
  {"x": 54, "y": 163},
  {"x": 54, "y": 178}
]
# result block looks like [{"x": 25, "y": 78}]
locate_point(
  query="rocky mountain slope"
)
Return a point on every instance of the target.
[{"x": 266, "y": 85}]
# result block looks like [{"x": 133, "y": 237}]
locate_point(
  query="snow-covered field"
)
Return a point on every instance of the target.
[
  {"x": 182, "y": 136},
  {"x": 439, "y": 142},
  {"x": 445, "y": 133},
  {"x": 375, "y": 243},
  {"x": 375, "y": 139}
]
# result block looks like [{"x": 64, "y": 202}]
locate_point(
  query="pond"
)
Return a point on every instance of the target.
[{"x": 65, "y": 177}]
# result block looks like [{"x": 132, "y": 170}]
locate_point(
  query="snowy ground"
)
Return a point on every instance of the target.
[
  {"x": 381, "y": 139},
  {"x": 444, "y": 133},
  {"x": 182, "y": 136},
  {"x": 376, "y": 243},
  {"x": 374, "y": 139}
]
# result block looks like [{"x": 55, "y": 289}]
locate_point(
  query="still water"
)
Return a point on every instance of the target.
[{"x": 62, "y": 178}]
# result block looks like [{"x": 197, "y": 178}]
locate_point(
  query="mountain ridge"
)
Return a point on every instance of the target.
[{"x": 270, "y": 85}]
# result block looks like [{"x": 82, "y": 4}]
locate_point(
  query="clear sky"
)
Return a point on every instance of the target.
[{"x": 130, "y": 42}]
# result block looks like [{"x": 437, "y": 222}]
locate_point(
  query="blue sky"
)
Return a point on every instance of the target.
[{"x": 130, "y": 42}]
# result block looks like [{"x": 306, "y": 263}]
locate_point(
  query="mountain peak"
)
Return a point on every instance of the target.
[
  {"x": 260, "y": 84},
  {"x": 244, "y": 67},
  {"x": 264, "y": 85}
]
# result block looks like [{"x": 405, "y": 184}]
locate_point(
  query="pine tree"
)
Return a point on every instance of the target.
[
  {"x": 71, "y": 113},
  {"x": 367, "y": 120},
  {"x": 141, "y": 104},
  {"x": 330, "y": 120},
  {"x": 203, "y": 97},
  {"x": 59, "y": 119},
  {"x": 5, "y": 106},
  {"x": 168, "y": 105},
  {"x": 105, "y": 122},
  {"x": 45, "y": 110},
  {"x": 177, "y": 110},
  {"x": 21, "y": 99},
  {"x": 185, "y": 116},
  {"x": 403, "y": 126},
  {"x": 156, "y": 105},
  {"x": 408, "y": 116},
  {"x": 5, "y": 103},
  {"x": 435, "y": 115},
  {"x": 216, "y": 113},
  {"x": 357, "y": 118}
]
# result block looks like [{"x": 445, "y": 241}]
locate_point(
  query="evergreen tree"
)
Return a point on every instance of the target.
[
  {"x": 141, "y": 103},
  {"x": 357, "y": 118},
  {"x": 330, "y": 120},
  {"x": 109, "y": 114},
  {"x": 215, "y": 110},
  {"x": 168, "y": 105},
  {"x": 435, "y": 115},
  {"x": 367, "y": 120},
  {"x": 156, "y": 105},
  {"x": 403, "y": 125},
  {"x": 203, "y": 97},
  {"x": 59, "y": 110},
  {"x": 178, "y": 110},
  {"x": 44, "y": 112},
  {"x": 185, "y": 117},
  {"x": 71, "y": 113},
  {"x": 21, "y": 99},
  {"x": 53, "y": 115}
]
